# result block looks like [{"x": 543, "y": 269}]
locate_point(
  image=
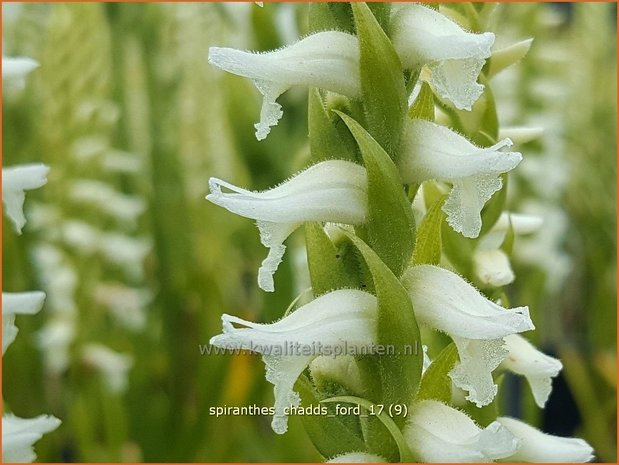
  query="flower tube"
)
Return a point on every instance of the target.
[
  {"x": 454, "y": 57},
  {"x": 431, "y": 151},
  {"x": 17, "y": 303},
  {"x": 446, "y": 302},
  {"x": 15, "y": 69},
  {"x": 439, "y": 433},
  {"x": 329, "y": 60},
  {"x": 333, "y": 190},
  {"x": 538, "y": 447},
  {"x": 332, "y": 324}
]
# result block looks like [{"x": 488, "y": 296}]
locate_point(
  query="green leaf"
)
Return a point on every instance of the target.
[
  {"x": 390, "y": 226},
  {"x": 406, "y": 455},
  {"x": 327, "y": 140},
  {"x": 428, "y": 244},
  {"x": 423, "y": 106},
  {"x": 326, "y": 265},
  {"x": 508, "y": 243},
  {"x": 382, "y": 81},
  {"x": 489, "y": 124},
  {"x": 397, "y": 330},
  {"x": 326, "y": 16},
  {"x": 436, "y": 383},
  {"x": 494, "y": 207},
  {"x": 458, "y": 249},
  {"x": 329, "y": 434}
]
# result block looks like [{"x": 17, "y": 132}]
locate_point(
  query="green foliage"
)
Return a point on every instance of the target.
[
  {"x": 428, "y": 244},
  {"x": 436, "y": 383},
  {"x": 389, "y": 213},
  {"x": 382, "y": 81}
]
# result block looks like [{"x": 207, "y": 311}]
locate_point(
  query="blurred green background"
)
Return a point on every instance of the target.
[{"x": 133, "y": 121}]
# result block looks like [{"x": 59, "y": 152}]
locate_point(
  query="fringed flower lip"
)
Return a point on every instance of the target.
[
  {"x": 446, "y": 302},
  {"x": 333, "y": 191},
  {"x": 328, "y": 60},
  {"x": 439, "y": 433},
  {"x": 454, "y": 57},
  {"x": 538, "y": 368},
  {"x": 340, "y": 320},
  {"x": 19, "y": 435},
  {"x": 431, "y": 151},
  {"x": 15, "y": 181}
]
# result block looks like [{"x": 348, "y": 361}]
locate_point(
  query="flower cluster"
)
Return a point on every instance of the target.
[
  {"x": 376, "y": 276},
  {"x": 20, "y": 434}
]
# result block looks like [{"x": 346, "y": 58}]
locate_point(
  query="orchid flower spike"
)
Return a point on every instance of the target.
[
  {"x": 333, "y": 190},
  {"x": 538, "y": 447},
  {"x": 329, "y": 60},
  {"x": 20, "y": 434},
  {"x": 439, "y": 433},
  {"x": 15, "y": 181},
  {"x": 446, "y": 302},
  {"x": 14, "y": 70},
  {"x": 435, "y": 152},
  {"x": 454, "y": 57},
  {"x": 537, "y": 367},
  {"x": 340, "y": 320},
  {"x": 17, "y": 303}
]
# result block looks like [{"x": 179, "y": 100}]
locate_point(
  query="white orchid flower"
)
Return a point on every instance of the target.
[
  {"x": 15, "y": 181},
  {"x": 20, "y": 434},
  {"x": 357, "y": 457},
  {"x": 15, "y": 69},
  {"x": 17, "y": 303},
  {"x": 333, "y": 324},
  {"x": 431, "y": 151},
  {"x": 538, "y": 447},
  {"x": 329, "y": 60},
  {"x": 333, "y": 190},
  {"x": 537, "y": 367},
  {"x": 492, "y": 267},
  {"x": 113, "y": 366},
  {"x": 439, "y": 433},
  {"x": 446, "y": 302},
  {"x": 454, "y": 57}
]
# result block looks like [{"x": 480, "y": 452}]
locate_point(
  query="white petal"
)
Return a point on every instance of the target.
[
  {"x": 357, "y": 457},
  {"x": 114, "y": 366},
  {"x": 14, "y": 70},
  {"x": 329, "y": 60},
  {"x": 492, "y": 267},
  {"x": 55, "y": 340},
  {"x": 104, "y": 198},
  {"x": 539, "y": 447},
  {"x": 20, "y": 434},
  {"x": 17, "y": 303},
  {"x": 340, "y": 320},
  {"x": 334, "y": 191},
  {"x": 443, "y": 300},
  {"x": 537, "y": 367},
  {"x": 16, "y": 180},
  {"x": 432, "y": 151},
  {"x": 473, "y": 373},
  {"x": 439, "y": 433},
  {"x": 423, "y": 36}
]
